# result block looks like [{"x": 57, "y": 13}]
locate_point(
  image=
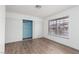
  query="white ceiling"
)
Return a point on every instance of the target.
[{"x": 46, "y": 10}]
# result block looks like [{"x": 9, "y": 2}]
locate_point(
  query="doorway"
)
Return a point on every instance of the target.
[{"x": 27, "y": 29}]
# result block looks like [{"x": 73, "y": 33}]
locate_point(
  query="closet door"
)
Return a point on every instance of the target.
[{"x": 27, "y": 29}]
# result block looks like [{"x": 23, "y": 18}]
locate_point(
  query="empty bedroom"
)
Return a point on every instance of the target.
[{"x": 42, "y": 29}]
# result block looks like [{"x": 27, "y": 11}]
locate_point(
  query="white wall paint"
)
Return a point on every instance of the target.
[
  {"x": 14, "y": 26},
  {"x": 2, "y": 28},
  {"x": 73, "y": 14}
]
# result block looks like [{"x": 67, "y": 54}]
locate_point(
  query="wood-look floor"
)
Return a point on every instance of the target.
[{"x": 38, "y": 46}]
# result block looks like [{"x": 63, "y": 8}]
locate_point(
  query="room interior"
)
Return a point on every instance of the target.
[{"x": 41, "y": 29}]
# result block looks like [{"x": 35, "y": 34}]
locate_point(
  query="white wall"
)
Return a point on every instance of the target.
[
  {"x": 73, "y": 14},
  {"x": 2, "y": 28},
  {"x": 14, "y": 26}
]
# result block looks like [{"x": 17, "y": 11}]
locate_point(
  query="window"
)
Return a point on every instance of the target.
[{"x": 59, "y": 27}]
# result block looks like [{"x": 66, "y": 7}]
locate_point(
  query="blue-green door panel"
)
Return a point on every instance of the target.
[{"x": 27, "y": 29}]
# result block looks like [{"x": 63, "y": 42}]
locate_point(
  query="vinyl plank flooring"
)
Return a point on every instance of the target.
[{"x": 38, "y": 46}]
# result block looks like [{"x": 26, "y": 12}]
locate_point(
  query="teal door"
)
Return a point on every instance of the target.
[{"x": 27, "y": 29}]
